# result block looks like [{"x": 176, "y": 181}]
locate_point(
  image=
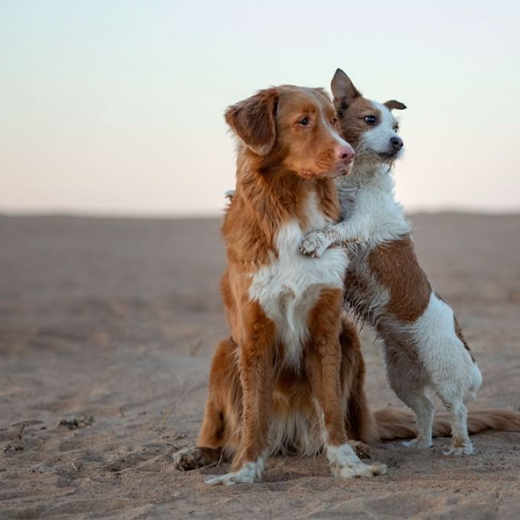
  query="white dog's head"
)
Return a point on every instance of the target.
[{"x": 369, "y": 126}]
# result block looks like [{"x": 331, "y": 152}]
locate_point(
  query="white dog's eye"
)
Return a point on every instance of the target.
[{"x": 370, "y": 120}]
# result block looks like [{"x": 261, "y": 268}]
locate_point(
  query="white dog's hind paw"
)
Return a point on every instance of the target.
[
  {"x": 465, "y": 450},
  {"x": 416, "y": 443}
]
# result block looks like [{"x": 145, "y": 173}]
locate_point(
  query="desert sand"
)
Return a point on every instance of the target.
[{"x": 106, "y": 332}]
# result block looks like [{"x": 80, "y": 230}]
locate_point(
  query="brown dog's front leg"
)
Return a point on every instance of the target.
[{"x": 323, "y": 366}]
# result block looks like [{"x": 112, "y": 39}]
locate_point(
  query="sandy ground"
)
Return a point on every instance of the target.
[{"x": 109, "y": 326}]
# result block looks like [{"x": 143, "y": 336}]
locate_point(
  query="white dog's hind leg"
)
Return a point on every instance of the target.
[
  {"x": 410, "y": 388},
  {"x": 454, "y": 403}
]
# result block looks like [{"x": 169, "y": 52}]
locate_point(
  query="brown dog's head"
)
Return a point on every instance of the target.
[
  {"x": 369, "y": 126},
  {"x": 294, "y": 127}
]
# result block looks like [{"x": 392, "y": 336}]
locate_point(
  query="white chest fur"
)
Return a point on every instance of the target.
[
  {"x": 372, "y": 215},
  {"x": 290, "y": 285}
]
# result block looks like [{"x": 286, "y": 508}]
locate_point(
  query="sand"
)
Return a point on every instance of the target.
[{"x": 107, "y": 327}]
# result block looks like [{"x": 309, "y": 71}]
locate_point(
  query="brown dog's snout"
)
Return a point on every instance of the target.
[{"x": 345, "y": 153}]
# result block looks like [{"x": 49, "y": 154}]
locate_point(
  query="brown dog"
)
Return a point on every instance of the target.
[{"x": 292, "y": 368}]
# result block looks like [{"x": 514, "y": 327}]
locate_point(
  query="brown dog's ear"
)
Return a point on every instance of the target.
[
  {"x": 343, "y": 90},
  {"x": 253, "y": 120},
  {"x": 394, "y": 105}
]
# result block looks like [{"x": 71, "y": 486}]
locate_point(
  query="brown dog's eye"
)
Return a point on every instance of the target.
[
  {"x": 370, "y": 120},
  {"x": 304, "y": 121}
]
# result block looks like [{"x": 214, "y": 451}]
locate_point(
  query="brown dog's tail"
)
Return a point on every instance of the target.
[{"x": 395, "y": 424}]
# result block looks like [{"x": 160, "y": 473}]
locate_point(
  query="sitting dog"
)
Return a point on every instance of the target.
[
  {"x": 385, "y": 285},
  {"x": 291, "y": 376}
]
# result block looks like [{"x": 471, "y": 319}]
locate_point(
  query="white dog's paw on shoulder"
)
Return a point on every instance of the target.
[{"x": 315, "y": 244}]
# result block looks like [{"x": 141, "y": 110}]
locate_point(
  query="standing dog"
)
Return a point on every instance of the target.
[
  {"x": 290, "y": 371},
  {"x": 423, "y": 344}
]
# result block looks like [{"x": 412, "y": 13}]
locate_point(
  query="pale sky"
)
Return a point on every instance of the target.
[{"x": 116, "y": 107}]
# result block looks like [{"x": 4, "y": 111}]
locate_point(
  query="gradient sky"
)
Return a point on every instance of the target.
[{"x": 111, "y": 106}]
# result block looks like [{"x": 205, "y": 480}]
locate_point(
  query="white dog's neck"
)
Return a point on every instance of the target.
[
  {"x": 371, "y": 176},
  {"x": 368, "y": 204}
]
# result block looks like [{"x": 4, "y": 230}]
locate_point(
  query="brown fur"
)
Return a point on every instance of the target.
[
  {"x": 392, "y": 104},
  {"x": 280, "y": 161},
  {"x": 395, "y": 424},
  {"x": 395, "y": 267},
  {"x": 221, "y": 431},
  {"x": 352, "y": 122}
]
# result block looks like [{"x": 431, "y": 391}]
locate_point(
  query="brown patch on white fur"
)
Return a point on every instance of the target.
[
  {"x": 395, "y": 267},
  {"x": 351, "y": 121}
]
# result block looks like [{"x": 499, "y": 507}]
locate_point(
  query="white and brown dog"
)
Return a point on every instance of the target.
[{"x": 385, "y": 286}]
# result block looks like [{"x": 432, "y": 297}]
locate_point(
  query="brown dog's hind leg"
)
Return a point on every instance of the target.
[
  {"x": 213, "y": 436},
  {"x": 359, "y": 419}
]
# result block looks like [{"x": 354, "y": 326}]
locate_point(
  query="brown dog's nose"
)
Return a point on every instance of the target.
[
  {"x": 397, "y": 143},
  {"x": 345, "y": 153}
]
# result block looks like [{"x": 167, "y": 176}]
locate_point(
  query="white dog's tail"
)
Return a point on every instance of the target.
[{"x": 476, "y": 380}]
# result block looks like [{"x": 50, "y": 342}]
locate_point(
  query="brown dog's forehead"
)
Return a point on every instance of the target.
[{"x": 302, "y": 99}]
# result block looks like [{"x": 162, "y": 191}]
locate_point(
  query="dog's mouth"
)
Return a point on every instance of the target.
[{"x": 389, "y": 155}]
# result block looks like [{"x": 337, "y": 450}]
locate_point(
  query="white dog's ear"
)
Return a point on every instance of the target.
[
  {"x": 254, "y": 120},
  {"x": 343, "y": 90},
  {"x": 392, "y": 104}
]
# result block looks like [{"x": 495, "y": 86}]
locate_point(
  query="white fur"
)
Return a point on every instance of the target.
[
  {"x": 345, "y": 463},
  {"x": 297, "y": 431},
  {"x": 447, "y": 361},
  {"x": 291, "y": 284},
  {"x": 249, "y": 473}
]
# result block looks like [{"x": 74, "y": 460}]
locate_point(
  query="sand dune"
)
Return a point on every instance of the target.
[{"x": 107, "y": 327}]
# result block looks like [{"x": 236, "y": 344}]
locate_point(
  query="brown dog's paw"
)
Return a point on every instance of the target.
[
  {"x": 194, "y": 458},
  {"x": 361, "y": 449}
]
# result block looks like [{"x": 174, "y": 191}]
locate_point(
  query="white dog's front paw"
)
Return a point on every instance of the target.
[
  {"x": 314, "y": 244},
  {"x": 249, "y": 473}
]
